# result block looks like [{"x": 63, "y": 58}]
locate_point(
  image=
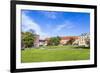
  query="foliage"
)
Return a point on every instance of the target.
[
  {"x": 27, "y": 39},
  {"x": 70, "y": 42},
  {"x": 54, "y": 41}
]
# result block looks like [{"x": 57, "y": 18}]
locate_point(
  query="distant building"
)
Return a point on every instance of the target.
[
  {"x": 84, "y": 40},
  {"x": 39, "y": 42},
  {"x": 42, "y": 43},
  {"x": 64, "y": 40},
  {"x": 36, "y": 41}
]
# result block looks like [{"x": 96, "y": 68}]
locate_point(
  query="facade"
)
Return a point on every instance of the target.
[
  {"x": 39, "y": 42},
  {"x": 42, "y": 43},
  {"x": 36, "y": 41},
  {"x": 84, "y": 40},
  {"x": 66, "y": 39}
]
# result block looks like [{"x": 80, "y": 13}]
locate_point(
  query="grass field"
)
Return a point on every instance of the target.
[{"x": 54, "y": 53}]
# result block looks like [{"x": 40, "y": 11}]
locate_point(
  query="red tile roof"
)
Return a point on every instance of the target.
[{"x": 69, "y": 37}]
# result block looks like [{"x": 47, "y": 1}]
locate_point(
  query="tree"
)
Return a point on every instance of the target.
[
  {"x": 27, "y": 39},
  {"x": 70, "y": 42},
  {"x": 54, "y": 41}
]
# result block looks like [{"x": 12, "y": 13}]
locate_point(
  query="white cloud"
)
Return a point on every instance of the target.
[
  {"x": 59, "y": 27},
  {"x": 28, "y": 23},
  {"x": 49, "y": 14},
  {"x": 66, "y": 25}
]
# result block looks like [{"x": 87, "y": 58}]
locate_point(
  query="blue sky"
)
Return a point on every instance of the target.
[{"x": 50, "y": 23}]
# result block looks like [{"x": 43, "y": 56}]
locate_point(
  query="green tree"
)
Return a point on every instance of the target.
[
  {"x": 70, "y": 42},
  {"x": 27, "y": 39},
  {"x": 54, "y": 41}
]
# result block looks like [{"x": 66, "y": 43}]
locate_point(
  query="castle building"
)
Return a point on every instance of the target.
[
  {"x": 84, "y": 40},
  {"x": 36, "y": 41}
]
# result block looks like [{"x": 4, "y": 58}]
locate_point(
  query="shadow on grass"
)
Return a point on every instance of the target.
[{"x": 78, "y": 47}]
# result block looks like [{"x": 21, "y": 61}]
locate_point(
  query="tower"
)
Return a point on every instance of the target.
[{"x": 36, "y": 41}]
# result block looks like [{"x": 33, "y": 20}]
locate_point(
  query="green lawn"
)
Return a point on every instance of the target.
[{"x": 54, "y": 53}]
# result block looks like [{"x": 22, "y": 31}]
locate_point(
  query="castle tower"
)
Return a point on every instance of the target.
[{"x": 36, "y": 41}]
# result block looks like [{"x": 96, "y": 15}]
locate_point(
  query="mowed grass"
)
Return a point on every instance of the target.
[{"x": 54, "y": 53}]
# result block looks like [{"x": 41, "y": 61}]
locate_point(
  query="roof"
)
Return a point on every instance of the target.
[
  {"x": 42, "y": 40},
  {"x": 69, "y": 37}
]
